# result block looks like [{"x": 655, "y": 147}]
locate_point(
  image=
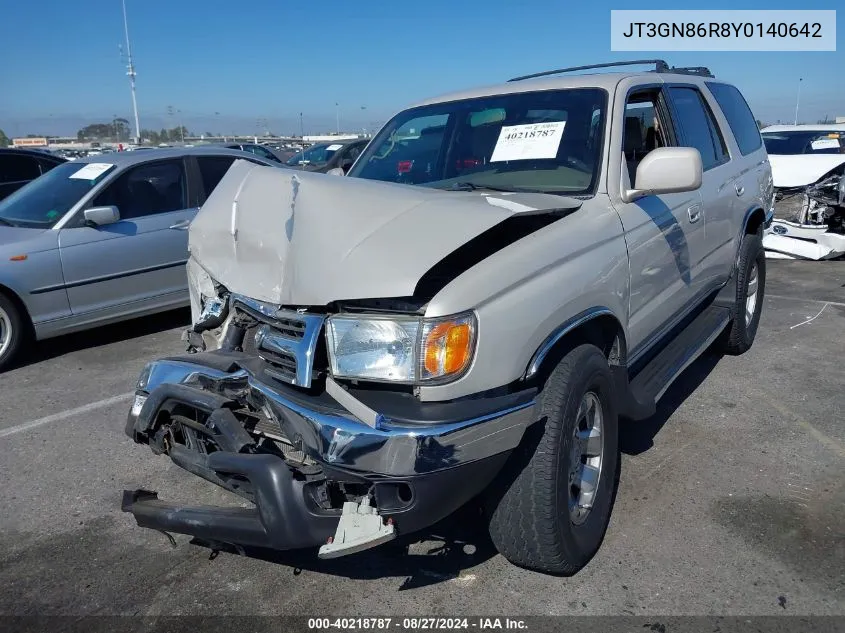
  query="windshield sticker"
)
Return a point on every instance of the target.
[
  {"x": 529, "y": 141},
  {"x": 91, "y": 171},
  {"x": 825, "y": 143},
  {"x": 333, "y": 148}
]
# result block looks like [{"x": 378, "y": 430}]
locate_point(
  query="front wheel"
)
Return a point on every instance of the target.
[
  {"x": 551, "y": 504},
  {"x": 750, "y": 287},
  {"x": 12, "y": 332}
]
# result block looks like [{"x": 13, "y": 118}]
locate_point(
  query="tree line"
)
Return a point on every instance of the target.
[{"x": 119, "y": 131}]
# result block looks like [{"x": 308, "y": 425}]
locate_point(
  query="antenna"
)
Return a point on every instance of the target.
[{"x": 130, "y": 72}]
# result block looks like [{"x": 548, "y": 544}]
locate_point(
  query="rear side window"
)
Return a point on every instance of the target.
[
  {"x": 212, "y": 170},
  {"x": 697, "y": 127},
  {"x": 18, "y": 168},
  {"x": 739, "y": 116}
]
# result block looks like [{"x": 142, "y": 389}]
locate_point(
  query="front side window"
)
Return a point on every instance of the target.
[
  {"x": 158, "y": 187},
  {"x": 802, "y": 142},
  {"x": 548, "y": 141},
  {"x": 44, "y": 201}
]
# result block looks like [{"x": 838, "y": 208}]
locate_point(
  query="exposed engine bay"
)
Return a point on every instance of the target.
[{"x": 809, "y": 220}]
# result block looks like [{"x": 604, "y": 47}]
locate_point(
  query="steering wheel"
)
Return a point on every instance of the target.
[{"x": 388, "y": 150}]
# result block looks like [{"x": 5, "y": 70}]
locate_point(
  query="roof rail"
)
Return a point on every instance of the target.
[{"x": 660, "y": 66}]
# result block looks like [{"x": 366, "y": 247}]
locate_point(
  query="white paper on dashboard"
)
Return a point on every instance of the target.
[
  {"x": 91, "y": 171},
  {"x": 825, "y": 143},
  {"x": 528, "y": 141},
  {"x": 333, "y": 148}
]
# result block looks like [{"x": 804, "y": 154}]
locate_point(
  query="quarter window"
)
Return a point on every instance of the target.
[{"x": 739, "y": 116}]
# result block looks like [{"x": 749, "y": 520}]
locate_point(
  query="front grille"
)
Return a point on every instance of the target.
[
  {"x": 293, "y": 328},
  {"x": 283, "y": 365},
  {"x": 286, "y": 340}
]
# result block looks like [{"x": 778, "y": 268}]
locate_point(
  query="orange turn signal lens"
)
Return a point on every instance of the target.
[
  {"x": 447, "y": 347},
  {"x": 18, "y": 258}
]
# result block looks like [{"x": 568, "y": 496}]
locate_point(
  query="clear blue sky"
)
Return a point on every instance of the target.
[{"x": 271, "y": 59}]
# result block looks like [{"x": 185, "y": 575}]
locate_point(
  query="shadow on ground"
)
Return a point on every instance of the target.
[
  {"x": 433, "y": 556},
  {"x": 637, "y": 437},
  {"x": 106, "y": 335}
]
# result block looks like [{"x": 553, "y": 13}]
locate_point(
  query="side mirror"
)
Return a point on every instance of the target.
[
  {"x": 337, "y": 171},
  {"x": 100, "y": 216},
  {"x": 666, "y": 170}
]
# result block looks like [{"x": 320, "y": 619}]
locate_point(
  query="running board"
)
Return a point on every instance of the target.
[{"x": 652, "y": 381}]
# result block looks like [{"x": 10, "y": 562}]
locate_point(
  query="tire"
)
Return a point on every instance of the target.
[
  {"x": 531, "y": 521},
  {"x": 13, "y": 332},
  {"x": 750, "y": 288}
]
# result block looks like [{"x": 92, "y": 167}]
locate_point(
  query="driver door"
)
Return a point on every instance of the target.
[{"x": 139, "y": 261}]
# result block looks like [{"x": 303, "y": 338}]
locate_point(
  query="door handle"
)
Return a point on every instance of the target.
[
  {"x": 739, "y": 188},
  {"x": 694, "y": 213},
  {"x": 181, "y": 226}
]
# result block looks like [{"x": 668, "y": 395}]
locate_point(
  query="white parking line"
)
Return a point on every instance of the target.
[{"x": 56, "y": 417}]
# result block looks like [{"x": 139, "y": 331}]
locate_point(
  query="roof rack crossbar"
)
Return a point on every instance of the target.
[
  {"x": 701, "y": 71},
  {"x": 660, "y": 67}
]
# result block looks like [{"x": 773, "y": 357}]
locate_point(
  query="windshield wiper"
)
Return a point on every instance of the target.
[
  {"x": 6, "y": 222},
  {"x": 465, "y": 185}
]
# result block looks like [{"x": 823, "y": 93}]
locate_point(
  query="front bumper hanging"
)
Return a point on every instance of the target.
[{"x": 416, "y": 472}]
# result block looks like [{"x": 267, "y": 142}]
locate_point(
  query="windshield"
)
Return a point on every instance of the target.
[
  {"x": 804, "y": 142},
  {"x": 43, "y": 202},
  {"x": 315, "y": 155},
  {"x": 547, "y": 141}
]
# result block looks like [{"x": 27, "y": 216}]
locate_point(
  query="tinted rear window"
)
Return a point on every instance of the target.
[
  {"x": 18, "y": 168},
  {"x": 739, "y": 116},
  {"x": 212, "y": 170}
]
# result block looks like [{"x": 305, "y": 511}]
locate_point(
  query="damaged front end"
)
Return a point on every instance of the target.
[
  {"x": 324, "y": 464},
  {"x": 809, "y": 220}
]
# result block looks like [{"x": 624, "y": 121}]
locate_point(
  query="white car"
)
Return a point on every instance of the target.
[{"x": 808, "y": 170}]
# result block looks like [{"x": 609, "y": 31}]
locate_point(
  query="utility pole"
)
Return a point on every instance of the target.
[
  {"x": 181, "y": 127},
  {"x": 170, "y": 115},
  {"x": 798, "y": 99},
  {"x": 130, "y": 71},
  {"x": 301, "y": 127},
  {"x": 337, "y": 115}
]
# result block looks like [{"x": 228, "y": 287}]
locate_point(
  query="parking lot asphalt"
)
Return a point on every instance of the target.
[{"x": 731, "y": 501}]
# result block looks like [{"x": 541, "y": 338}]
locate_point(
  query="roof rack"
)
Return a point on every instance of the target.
[{"x": 660, "y": 66}]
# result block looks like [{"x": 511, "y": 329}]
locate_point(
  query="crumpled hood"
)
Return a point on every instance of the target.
[
  {"x": 800, "y": 170},
  {"x": 309, "y": 239}
]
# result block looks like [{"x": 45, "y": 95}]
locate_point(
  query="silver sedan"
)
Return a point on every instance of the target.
[{"x": 100, "y": 240}]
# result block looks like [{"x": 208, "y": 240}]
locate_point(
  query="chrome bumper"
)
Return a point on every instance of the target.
[{"x": 334, "y": 436}]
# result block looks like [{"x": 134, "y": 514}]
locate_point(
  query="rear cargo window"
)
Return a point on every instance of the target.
[{"x": 739, "y": 116}]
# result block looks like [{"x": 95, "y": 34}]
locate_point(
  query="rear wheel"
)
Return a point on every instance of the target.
[
  {"x": 12, "y": 332},
  {"x": 551, "y": 504},
  {"x": 750, "y": 287}
]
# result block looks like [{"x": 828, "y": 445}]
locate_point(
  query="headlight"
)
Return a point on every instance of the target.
[{"x": 400, "y": 349}]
